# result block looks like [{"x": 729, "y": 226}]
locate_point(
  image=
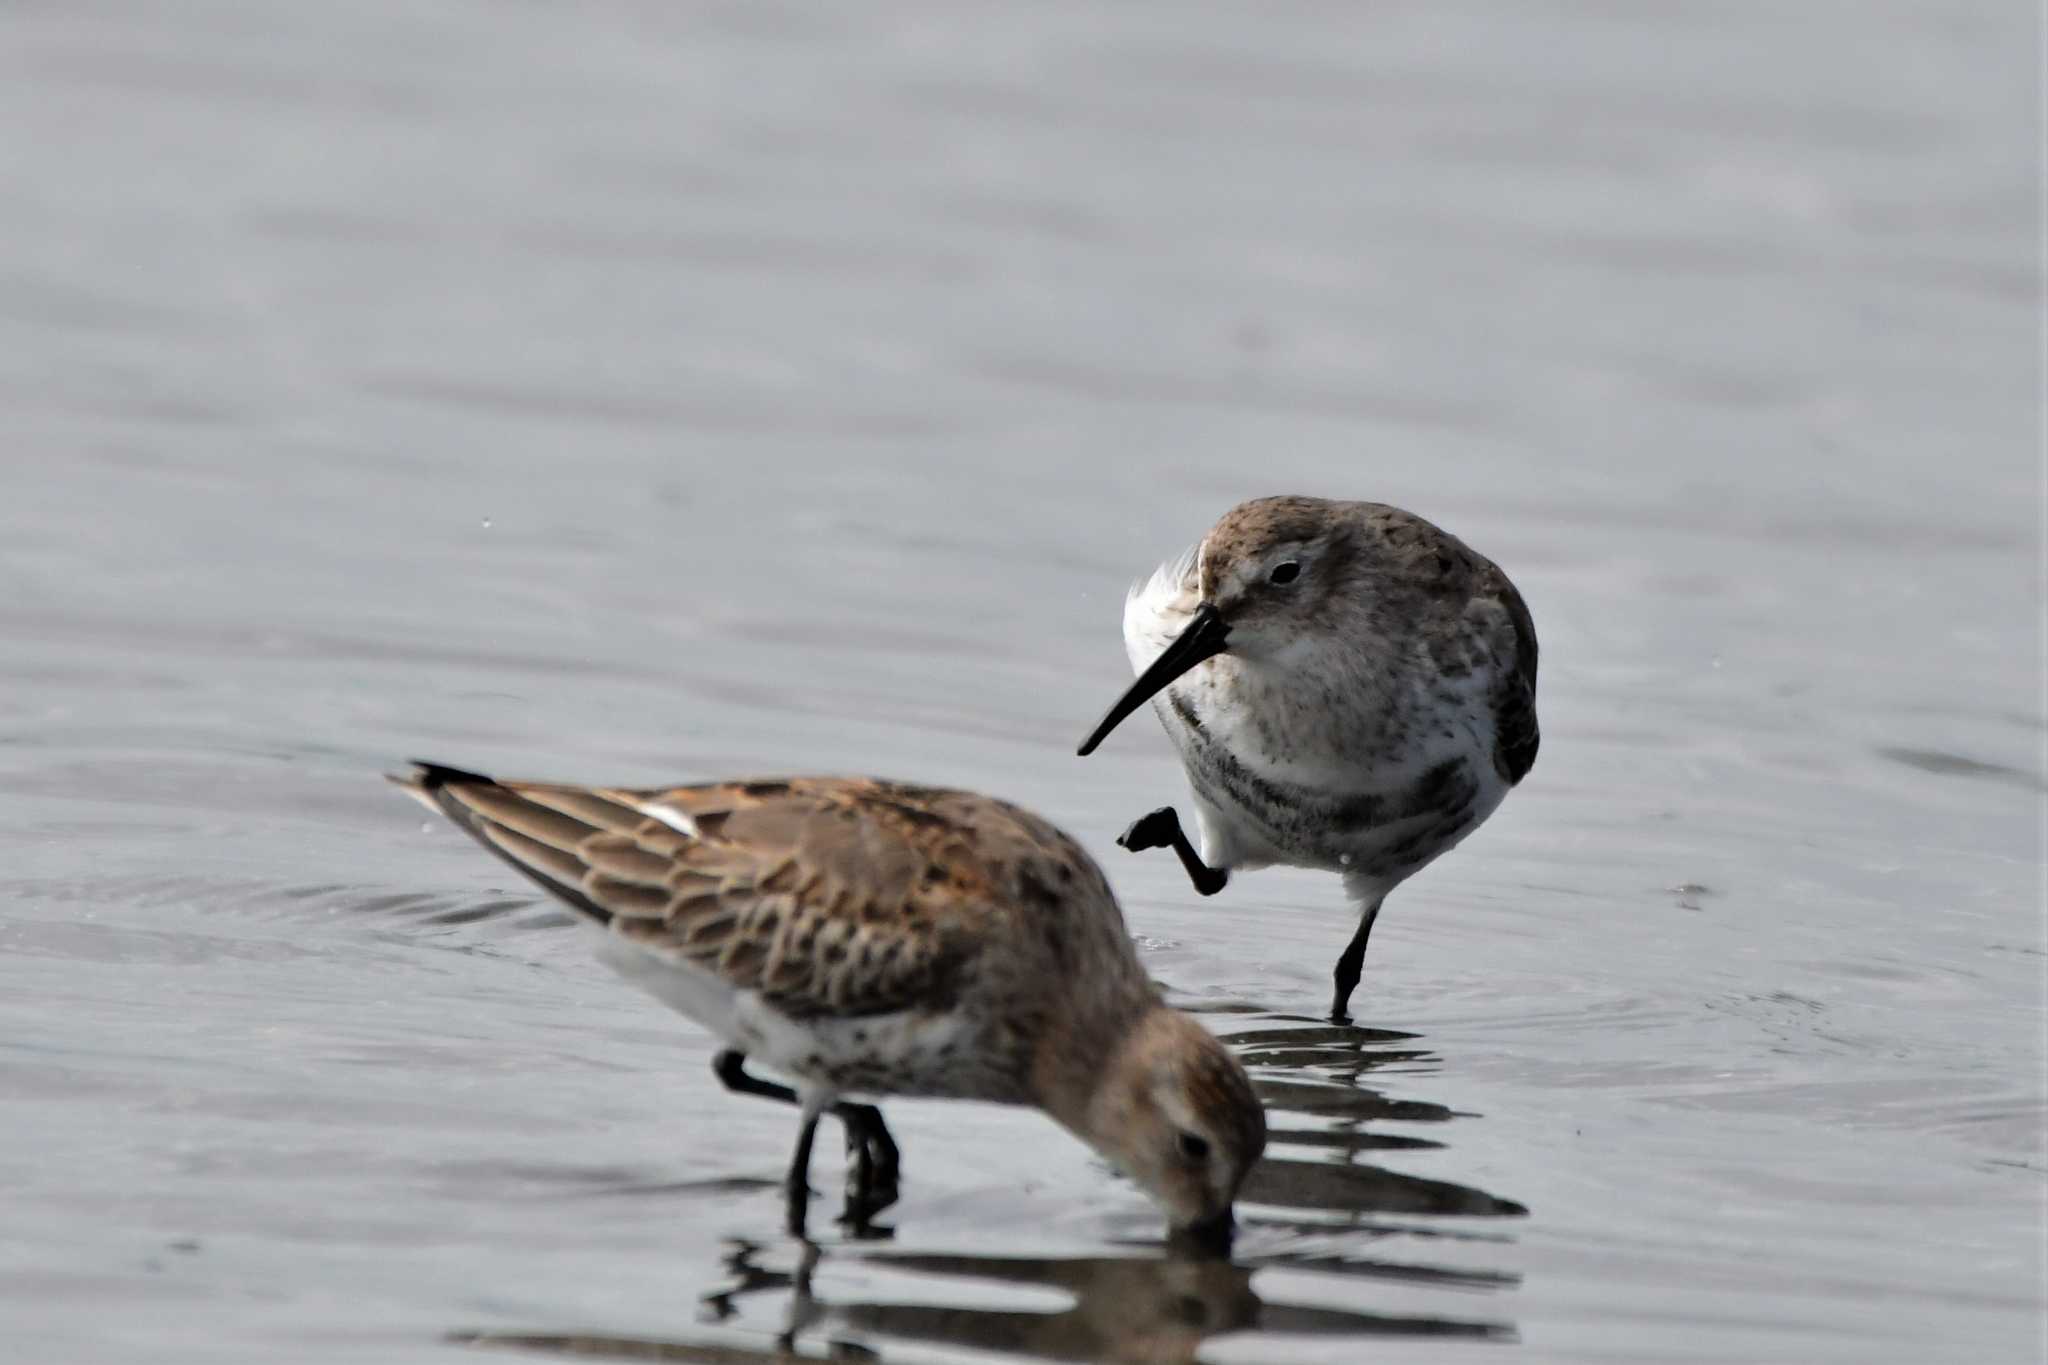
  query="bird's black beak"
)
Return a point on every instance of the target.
[
  {"x": 1205, "y": 637},
  {"x": 1209, "y": 1239}
]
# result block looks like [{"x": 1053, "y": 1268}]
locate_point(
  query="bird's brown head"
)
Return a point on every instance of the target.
[
  {"x": 1270, "y": 568},
  {"x": 1175, "y": 1112},
  {"x": 1268, "y": 574}
]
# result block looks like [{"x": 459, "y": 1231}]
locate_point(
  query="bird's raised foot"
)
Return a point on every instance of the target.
[{"x": 1160, "y": 829}]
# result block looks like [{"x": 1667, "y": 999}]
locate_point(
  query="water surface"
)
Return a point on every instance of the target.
[{"x": 636, "y": 392}]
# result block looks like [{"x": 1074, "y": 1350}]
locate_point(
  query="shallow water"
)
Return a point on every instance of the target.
[{"x": 634, "y": 393}]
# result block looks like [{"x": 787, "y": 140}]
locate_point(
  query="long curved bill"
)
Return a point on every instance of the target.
[{"x": 1206, "y": 636}]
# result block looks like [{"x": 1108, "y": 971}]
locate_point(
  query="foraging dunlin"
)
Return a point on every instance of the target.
[
  {"x": 868, "y": 938},
  {"x": 1350, "y": 688}
]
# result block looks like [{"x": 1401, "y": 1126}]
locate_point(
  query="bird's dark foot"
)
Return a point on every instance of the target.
[
  {"x": 874, "y": 1194},
  {"x": 857, "y": 1216},
  {"x": 1340, "y": 1003},
  {"x": 1350, "y": 966},
  {"x": 1160, "y": 829},
  {"x": 872, "y": 1163}
]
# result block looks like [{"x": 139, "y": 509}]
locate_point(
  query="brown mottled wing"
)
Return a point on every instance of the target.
[
  {"x": 828, "y": 896},
  {"x": 1516, "y": 735}
]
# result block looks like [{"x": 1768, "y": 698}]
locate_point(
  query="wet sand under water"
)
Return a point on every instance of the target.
[{"x": 637, "y": 395}]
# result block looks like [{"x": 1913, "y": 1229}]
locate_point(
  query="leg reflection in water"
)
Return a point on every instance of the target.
[
  {"x": 1148, "y": 1308},
  {"x": 1320, "y": 1211}
]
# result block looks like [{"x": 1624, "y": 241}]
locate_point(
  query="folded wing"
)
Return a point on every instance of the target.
[{"x": 828, "y": 896}]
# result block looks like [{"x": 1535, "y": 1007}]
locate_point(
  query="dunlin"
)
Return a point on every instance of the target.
[
  {"x": 1350, "y": 688},
  {"x": 869, "y": 938}
]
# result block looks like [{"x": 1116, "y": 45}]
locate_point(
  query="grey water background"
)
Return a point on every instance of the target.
[{"x": 642, "y": 392}]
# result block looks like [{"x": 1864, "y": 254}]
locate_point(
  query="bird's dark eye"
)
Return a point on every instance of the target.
[
  {"x": 1194, "y": 1146},
  {"x": 1285, "y": 572}
]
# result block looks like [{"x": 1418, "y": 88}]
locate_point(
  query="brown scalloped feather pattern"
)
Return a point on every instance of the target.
[{"x": 829, "y": 896}]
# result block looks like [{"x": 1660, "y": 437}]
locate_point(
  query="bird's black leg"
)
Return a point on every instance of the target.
[
  {"x": 876, "y": 1158},
  {"x": 876, "y": 1161},
  {"x": 730, "y": 1067},
  {"x": 888, "y": 1157},
  {"x": 1161, "y": 829},
  {"x": 860, "y": 1166},
  {"x": 797, "y": 1188},
  {"x": 864, "y": 1121},
  {"x": 1350, "y": 964}
]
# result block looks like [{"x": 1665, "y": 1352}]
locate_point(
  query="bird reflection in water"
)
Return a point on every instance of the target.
[
  {"x": 1310, "y": 1209},
  {"x": 1152, "y": 1309},
  {"x": 1317, "y": 1071}
]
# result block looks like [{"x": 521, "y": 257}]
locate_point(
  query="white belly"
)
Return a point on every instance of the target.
[
  {"x": 1396, "y": 770},
  {"x": 910, "y": 1052},
  {"x": 690, "y": 991}
]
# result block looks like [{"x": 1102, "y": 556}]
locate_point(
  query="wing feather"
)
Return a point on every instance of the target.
[
  {"x": 829, "y": 896},
  {"x": 1516, "y": 733}
]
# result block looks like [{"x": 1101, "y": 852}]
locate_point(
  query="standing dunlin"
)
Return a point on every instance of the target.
[
  {"x": 868, "y": 938},
  {"x": 1350, "y": 688}
]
